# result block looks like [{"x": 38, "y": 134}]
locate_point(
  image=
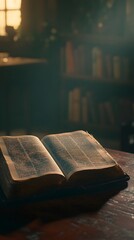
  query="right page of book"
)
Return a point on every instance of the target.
[{"x": 82, "y": 157}]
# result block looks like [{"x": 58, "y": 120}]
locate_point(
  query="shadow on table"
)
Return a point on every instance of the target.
[{"x": 15, "y": 217}]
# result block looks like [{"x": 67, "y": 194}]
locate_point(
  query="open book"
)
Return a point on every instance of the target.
[{"x": 69, "y": 160}]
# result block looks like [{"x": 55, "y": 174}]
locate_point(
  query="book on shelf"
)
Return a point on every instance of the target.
[
  {"x": 74, "y": 105},
  {"x": 125, "y": 69},
  {"x": 102, "y": 114},
  {"x": 108, "y": 66},
  {"x": 62, "y": 60},
  {"x": 80, "y": 59},
  {"x": 97, "y": 63},
  {"x": 70, "y": 105},
  {"x": 117, "y": 67},
  {"x": 106, "y": 113},
  {"x": 92, "y": 108},
  {"x": 64, "y": 162},
  {"x": 69, "y": 58},
  {"x": 125, "y": 106},
  {"x": 109, "y": 112},
  {"x": 84, "y": 108}
]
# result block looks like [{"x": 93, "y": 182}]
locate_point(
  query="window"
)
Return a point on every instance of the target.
[{"x": 10, "y": 14}]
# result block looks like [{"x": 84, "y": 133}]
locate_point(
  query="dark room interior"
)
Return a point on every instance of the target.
[
  {"x": 67, "y": 119},
  {"x": 68, "y": 65}
]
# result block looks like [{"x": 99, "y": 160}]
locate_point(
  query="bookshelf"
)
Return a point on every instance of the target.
[
  {"x": 95, "y": 41},
  {"x": 96, "y": 83}
]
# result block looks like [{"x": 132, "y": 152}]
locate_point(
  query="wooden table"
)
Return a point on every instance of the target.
[{"x": 113, "y": 221}]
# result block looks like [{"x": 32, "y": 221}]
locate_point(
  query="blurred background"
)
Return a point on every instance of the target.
[{"x": 68, "y": 65}]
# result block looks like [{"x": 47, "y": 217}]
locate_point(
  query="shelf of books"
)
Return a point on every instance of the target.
[
  {"x": 107, "y": 62},
  {"x": 96, "y": 84}
]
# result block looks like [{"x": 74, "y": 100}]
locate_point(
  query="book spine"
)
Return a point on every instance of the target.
[
  {"x": 70, "y": 105},
  {"x": 108, "y": 66},
  {"x": 97, "y": 63},
  {"x": 69, "y": 54},
  {"x": 102, "y": 114},
  {"x": 62, "y": 60},
  {"x": 81, "y": 55},
  {"x": 84, "y": 108},
  {"x": 74, "y": 106},
  {"x": 92, "y": 108},
  {"x": 125, "y": 69},
  {"x": 109, "y": 113},
  {"x": 76, "y": 60},
  {"x": 116, "y": 67}
]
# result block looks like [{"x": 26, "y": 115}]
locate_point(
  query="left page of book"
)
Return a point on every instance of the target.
[
  {"x": 26, "y": 167},
  {"x": 27, "y": 158}
]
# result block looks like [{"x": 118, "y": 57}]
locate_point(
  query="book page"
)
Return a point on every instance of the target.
[
  {"x": 78, "y": 151},
  {"x": 27, "y": 158}
]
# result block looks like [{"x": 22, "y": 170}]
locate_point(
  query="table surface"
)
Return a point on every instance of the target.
[{"x": 114, "y": 220}]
